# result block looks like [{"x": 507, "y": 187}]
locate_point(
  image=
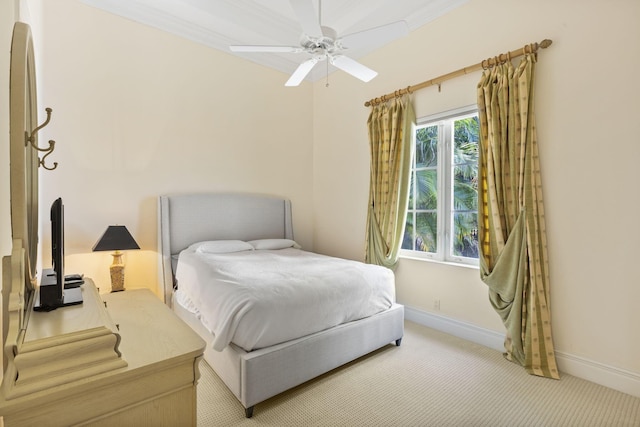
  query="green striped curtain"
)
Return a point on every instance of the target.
[
  {"x": 513, "y": 259},
  {"x": 390, "y": 125}
]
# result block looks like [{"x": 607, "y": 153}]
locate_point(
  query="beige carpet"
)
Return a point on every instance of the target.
[{"x": 433, "y": 379}]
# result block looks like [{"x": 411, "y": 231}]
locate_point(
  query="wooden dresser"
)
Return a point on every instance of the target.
[{"x": 124, "y": 359}]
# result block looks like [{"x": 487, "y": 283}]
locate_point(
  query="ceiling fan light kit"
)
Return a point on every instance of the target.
[{"x": 322, "y": 43}]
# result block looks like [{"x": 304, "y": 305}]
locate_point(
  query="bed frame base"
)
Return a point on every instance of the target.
[
  {"x": 255, "y": 376},
  {"x": 248, "y": 412}
]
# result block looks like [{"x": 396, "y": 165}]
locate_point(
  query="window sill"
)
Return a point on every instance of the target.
[{"x": 437, "y": 261}]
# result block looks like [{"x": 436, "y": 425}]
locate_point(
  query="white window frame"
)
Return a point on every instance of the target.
[{"x": 444, "y": 121}]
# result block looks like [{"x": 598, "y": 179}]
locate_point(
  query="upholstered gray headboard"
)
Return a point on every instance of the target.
[{"x": 184, "y": 219}]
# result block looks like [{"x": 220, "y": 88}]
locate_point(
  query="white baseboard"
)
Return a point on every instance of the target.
[
  {"x": 599, "y": 373},
  {"x": 457, "y": 328}
]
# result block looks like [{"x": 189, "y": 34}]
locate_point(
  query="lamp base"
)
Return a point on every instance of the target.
[{"x": 117, "y": 272}]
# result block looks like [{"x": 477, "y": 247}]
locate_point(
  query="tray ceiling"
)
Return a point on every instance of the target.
[{"x": 221, "y": 23}]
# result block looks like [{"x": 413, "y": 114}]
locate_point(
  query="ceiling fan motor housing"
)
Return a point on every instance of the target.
[{"x": 326, "y": 44}]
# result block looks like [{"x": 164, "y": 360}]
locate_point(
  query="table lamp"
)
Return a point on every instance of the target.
[{"x": 117, "y": 238}]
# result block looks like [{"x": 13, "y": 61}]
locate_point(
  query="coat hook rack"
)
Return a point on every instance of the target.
[{"x": 31, "y": 139}]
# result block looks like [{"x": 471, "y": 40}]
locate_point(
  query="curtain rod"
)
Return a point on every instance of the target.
[{"x": 487, "y": 63}]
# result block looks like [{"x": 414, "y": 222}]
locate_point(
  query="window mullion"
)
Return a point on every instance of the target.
[{"x": 442, "y": 199}]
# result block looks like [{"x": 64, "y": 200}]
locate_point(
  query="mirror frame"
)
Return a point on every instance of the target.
[
  {"x": 23, "y": 157},
  {"x": 19, "y": 269}
]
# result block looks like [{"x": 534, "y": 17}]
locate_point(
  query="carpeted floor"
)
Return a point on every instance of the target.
[{"x": 433, "y": 379}]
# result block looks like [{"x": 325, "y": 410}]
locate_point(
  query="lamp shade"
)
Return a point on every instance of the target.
[{"x": 116, "y": 238}]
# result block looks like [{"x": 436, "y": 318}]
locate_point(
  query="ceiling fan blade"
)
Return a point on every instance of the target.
[
  {"x": 307, "y": 17},
  {"x": 375, "y": 37},
  {"x": 301, "y": 72},
  {"x": 277, "y": 49},
  {"x": 353, "y": 67}
]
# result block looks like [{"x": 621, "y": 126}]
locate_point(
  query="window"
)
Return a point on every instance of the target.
[{"x": 442, "y": 217}]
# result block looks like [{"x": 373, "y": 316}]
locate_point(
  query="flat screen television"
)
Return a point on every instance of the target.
[
  {"x": 52, "y": 293},
  {"x": 57, "y": 244}
]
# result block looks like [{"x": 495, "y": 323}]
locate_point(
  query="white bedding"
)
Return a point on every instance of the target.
[{"x": 259, "y": 298}]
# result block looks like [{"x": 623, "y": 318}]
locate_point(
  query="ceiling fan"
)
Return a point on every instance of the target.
[{"x": 322, "y": 43}]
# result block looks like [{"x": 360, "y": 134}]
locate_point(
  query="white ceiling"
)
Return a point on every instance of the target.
[{"x": 221, "y": 23}]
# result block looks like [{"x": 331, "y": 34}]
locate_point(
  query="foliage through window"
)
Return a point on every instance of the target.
[{"x": 442, "y": 217}]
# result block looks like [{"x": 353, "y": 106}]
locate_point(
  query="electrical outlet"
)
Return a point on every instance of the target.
[{"x": 436, "y": 304}]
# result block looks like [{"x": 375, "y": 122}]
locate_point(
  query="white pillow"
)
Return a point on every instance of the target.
[
  {"x": 274, "y": 244},
  {"x": 221, "y": 246}
]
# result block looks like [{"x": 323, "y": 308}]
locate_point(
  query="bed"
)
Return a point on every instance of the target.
[{"x": 256, "y": 374}]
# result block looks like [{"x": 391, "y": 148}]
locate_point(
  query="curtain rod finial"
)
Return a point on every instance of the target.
[{"x": 545, "y": 43}]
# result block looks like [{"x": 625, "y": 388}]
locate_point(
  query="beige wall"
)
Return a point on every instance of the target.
[
  {"x": 587, "y": 110},
  {"x": 138, "y": 113},
  {"x": 7, "y": 18}
]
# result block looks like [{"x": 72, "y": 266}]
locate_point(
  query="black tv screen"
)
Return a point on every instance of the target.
[
  {"x": 51, "y": 292},
  {"x": 57, "y": 244}
]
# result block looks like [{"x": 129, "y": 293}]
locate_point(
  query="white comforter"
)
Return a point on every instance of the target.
[{"x": 260, "y": 298}]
